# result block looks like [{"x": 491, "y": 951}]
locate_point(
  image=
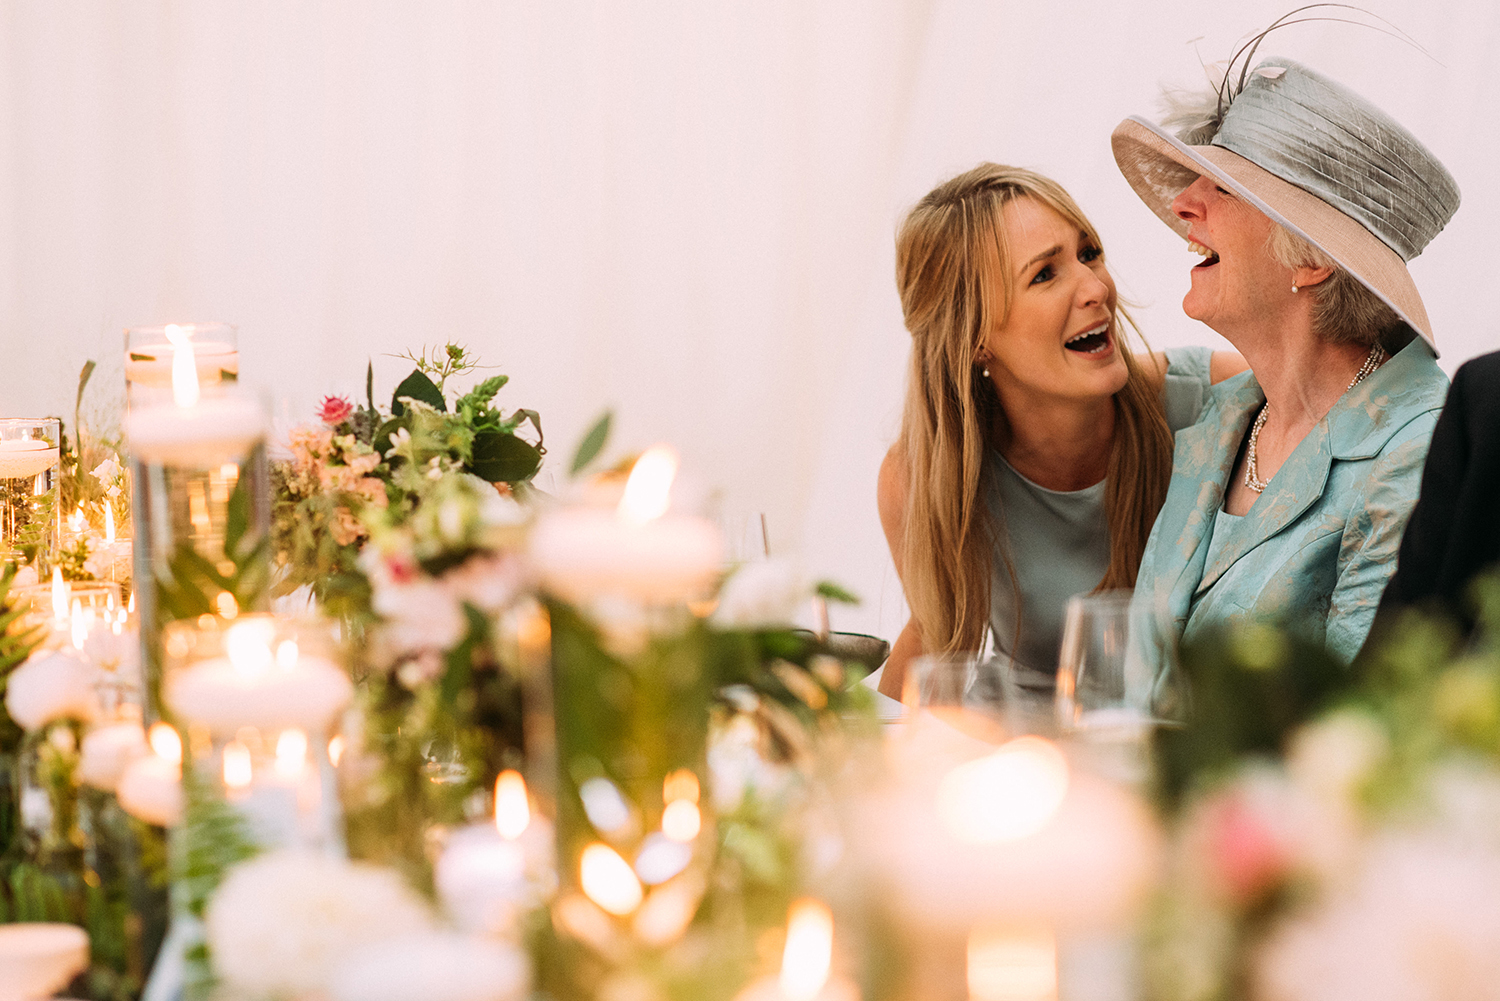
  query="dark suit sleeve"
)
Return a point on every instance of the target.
[{"x": 1454, "y": 533}]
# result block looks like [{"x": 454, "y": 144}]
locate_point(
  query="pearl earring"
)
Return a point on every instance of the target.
[
  {"x": 986, "y": 372},
  {"x": 1294, "y": 290}
]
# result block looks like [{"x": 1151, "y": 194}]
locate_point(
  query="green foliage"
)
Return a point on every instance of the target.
[
  {"x": 1251, "y": 686},
  {"x": 592, "y": 444},
  {"x": 212, "y": 838}
]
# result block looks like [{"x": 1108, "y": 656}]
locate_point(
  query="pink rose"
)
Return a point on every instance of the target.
[
  {"x": 335, "y": 410},
  {"x": 1247, "y": 856}
]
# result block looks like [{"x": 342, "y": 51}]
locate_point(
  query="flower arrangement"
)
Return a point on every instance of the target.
[
  {"x": 1339, "y": 832},
  {"x": 362, "y": 460}
]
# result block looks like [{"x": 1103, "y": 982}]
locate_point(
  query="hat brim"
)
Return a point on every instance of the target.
[{"x": 1159, "y": 166}]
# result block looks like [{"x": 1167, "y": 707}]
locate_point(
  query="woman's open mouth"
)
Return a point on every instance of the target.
[
  {"x": 1210, "y": 257},
  {"x": 1091, "y": 341}
]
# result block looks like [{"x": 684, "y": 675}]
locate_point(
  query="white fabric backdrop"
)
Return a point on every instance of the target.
[{"x": 681, "y": 210}]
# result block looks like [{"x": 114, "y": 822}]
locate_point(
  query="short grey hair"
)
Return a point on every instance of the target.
[{"x": 1345, "y": 311}]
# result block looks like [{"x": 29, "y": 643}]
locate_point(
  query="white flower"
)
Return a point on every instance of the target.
[
  {"x": 1420, "y": 925},
  {"x": 736, "y": 767},
  {"x": 764, "y": 594},
  {"x": 438, "y": 966},
  {"x": 1333, "y": 756},
  {"x": 108, "y": 751},
  {"x": 51, "y": 686},
  {"x": 419, "y": 612},
  {"x": 107, "y": 470},
  {"x": 280, "y": 924},
  {"x": 488, "y": 583},
  {"x": 118, "y": 654}
]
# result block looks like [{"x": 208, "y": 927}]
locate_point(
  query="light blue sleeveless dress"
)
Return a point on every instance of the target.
[{"x": 1058, "y": 540}]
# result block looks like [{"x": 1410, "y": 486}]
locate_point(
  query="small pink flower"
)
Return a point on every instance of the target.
[
  {"x": 1249, "y": 856},
  {"x": 335, "y": 410},
  {"x": 346, "y": 528}
]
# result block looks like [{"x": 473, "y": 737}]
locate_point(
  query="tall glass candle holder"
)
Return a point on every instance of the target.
[
  {"x": 202, "y": 509},
  {"x": 149, "y": 354},
  {"x": 258, "y": 696},
  {"x": 634, "y": 831},
  {"x": 30, "y": 517}
]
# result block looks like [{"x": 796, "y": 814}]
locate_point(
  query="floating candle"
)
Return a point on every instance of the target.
[
  {"x": 490, "y": 874},
  {"x": 21, "y": 458},
  {"x": 193, "y": 430},
  {"x": 151, "y": 787},
  {"x": 151, "y": 353},
  {"x": 251, "y": 686},
  {"x": 638, "y": 550}
]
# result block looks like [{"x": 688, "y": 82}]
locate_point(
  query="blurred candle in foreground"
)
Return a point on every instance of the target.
[
  {"x": 512, "y": 807},
  {"x": 1012, "y": 964},
  {"x": 806, "y": 961},
  {"x": 608, "y": 880}
]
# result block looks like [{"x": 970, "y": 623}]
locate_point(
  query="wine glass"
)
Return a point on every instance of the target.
[{"x": 1117, "y": 669}]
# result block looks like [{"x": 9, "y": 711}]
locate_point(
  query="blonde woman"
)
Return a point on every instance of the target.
[{"x": 1035, "y": 448}]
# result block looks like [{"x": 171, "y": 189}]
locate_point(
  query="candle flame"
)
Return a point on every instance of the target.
[
  {"x": 608, "y": 879},
  {"x": 648, "y": 492},
  {"x": 681, "y": 820},
  {"x": 60, "y": 592},
  {"x": 80, "y": 623},
  {"x": 75, "y": 520},
  {"x": 238, "y": 769},
  {"x": 165, "y": 743},
  {"x": 1010, "y": 964},
  {"x": 291, "y": 753},
  {"x": 248, "y": 646},
  {"x": 185, "y": 390},
  {"x": 681, "y": 784},
  {"x": 1004, "y": 796},
  {"x": 808, "y": 956},
  {"x": 512, "y": 807},
  {"x": 336, "y": 750},
  {"x": 109, "y": 522}
]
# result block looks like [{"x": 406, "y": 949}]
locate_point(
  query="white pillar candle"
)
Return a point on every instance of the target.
[
  {"x": 254, "y": 686},
  {"x": 638, "y": 550},
  {"x": 491, "y": 874}
]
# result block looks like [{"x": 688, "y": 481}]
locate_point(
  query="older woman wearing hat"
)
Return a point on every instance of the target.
[{"x": 1288, "y": 497}]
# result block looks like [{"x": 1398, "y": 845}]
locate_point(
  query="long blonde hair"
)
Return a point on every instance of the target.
[{"x": 954, "y": 274}]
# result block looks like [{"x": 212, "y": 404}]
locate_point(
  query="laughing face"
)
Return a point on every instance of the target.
[
  {"x": 1237, "y": 282},
  {"x": 1059, "y": 340}
]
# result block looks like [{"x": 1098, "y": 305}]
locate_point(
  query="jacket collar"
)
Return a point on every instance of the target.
[{"x": 1358, "y": 426}]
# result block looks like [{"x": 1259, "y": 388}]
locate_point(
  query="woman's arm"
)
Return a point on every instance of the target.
[
  {"x": 1221, "y": 365},
  {"x": 890, "y": 496}
]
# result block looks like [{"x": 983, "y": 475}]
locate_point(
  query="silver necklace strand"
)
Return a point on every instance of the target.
[{"x": 1373, "y": 360}]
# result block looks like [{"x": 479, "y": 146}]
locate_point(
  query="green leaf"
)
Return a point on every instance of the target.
[
  {"x": 139, "y": 357},
  {"x": 503, "y": 458},
  {"x": 370, "y": 383},
  {"x": 482, "y": 393},
  {"x": 417, "y": 387},
  {"x": 833, "y": 592},
  {"x": 592, "y": 444}
]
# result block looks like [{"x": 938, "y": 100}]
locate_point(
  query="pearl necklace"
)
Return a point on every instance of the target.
[{"x": 1373, "y": 360}]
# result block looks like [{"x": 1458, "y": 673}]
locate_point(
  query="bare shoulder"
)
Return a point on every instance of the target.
[
  {"x": 1224, "y": 364},
  {"x": 891, "y": 488}
]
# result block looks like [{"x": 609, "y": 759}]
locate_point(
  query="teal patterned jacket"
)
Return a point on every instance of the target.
[{"x": 1317, "y": 548}]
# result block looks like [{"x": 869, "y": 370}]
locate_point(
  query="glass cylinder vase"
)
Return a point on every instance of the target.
[
  {"x": 30, "y": 515},
  {"x": 202, "y": 513}
]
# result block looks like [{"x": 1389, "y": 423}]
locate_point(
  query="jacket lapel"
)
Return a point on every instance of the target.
[
  {"x": 1204, "y": 458},
  {"x": 1356, "y": 427}
]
